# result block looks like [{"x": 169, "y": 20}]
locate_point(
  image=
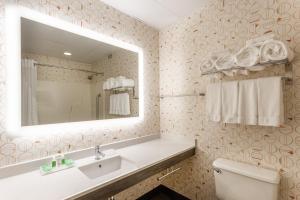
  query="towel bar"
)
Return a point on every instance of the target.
[{"x": 169, "y": 172}]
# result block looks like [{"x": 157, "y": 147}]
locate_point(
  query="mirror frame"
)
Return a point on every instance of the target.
[{"x": 13, "y": 15}]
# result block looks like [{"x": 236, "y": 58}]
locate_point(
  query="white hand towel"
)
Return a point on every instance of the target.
[
  {"x": 270, "y": 102},
  {"x": 119, "y": 104},
  {"x": 124, "y": 104},
  {"x": 247, "y": 109},
  {"x": 230, "y": 102},
  {"x": 112, "y": 104},
  {"x": 213, "y": 102}
]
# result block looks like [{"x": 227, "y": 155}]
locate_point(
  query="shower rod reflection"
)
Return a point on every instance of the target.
[
  {"x": 73, "y": 69},
  {"x": 183, "y": 95}
]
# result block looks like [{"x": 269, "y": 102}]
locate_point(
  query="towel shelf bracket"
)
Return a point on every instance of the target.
[{"x": 214, "y": 71}]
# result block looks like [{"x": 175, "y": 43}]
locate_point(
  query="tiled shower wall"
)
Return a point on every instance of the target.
[
  {"x": 227, "y": 24},
  {"x": 96, "y": 16}
]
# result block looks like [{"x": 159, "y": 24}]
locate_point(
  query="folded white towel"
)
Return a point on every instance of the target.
[
  {"x": 230, "y": 102},
  {"x": 270, "y": 102},
  {"x": 125, "y": 83},
  {"x": 247, "y": 56},
  {"x": 274, "y": 50},
  {"x": 213, "y": 102},
  {"x": 247, "y": 103},
  {"x": 119, "y": 104},
  {"x": 110, "y": 83},
  {"x": 105, "y": 85}
]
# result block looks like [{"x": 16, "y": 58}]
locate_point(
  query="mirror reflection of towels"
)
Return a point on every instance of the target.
[{"x": 119, "y": 104}]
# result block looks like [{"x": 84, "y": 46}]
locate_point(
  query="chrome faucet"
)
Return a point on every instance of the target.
[{"x": 98, "y": 154}]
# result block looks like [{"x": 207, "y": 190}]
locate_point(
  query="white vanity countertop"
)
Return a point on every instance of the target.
[{"x": 71, "y": 183}]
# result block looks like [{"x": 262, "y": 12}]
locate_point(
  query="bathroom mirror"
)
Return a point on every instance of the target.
[{"x": 66, "y": 77}]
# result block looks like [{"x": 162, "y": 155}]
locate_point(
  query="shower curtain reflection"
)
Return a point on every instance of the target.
[{"x": 29, "y": 86}]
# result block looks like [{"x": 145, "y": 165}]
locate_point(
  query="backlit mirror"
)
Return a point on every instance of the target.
[{"x": 67, "y": 77}]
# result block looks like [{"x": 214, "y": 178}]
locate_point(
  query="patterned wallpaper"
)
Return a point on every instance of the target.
[
  {"x": 220, "y": 25},
  {"x": 227, "y": 24},
  {"x": 96, "y": 16}
]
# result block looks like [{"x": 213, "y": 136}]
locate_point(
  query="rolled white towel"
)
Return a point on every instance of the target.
[
  {"x": 275, "y": 50},
  {"x": 225, "y": 61},
  {"x": 247, "y": 56},
  {"x": 207, "y": 65},
  {"x": 258, "y": 41}
]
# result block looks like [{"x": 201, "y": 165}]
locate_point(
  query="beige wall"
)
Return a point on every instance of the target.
[
  {"x": 93, "y": 15},
  {"x": 183, "y": 47}
]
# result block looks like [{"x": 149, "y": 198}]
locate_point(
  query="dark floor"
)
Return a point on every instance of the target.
[{"x": 162, "y": 193}]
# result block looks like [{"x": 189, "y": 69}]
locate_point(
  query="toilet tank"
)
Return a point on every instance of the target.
[{"x": 239, "y": 181}]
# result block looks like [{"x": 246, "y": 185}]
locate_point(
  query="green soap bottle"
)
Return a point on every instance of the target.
[{"x": 53, "y": 163}]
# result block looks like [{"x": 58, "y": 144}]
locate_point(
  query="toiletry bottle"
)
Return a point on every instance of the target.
[
  {"x": 59, "y": 157},
  {"x": 53, "y": 162}
]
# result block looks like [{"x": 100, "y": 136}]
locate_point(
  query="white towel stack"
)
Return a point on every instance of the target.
[
  {"x": 120, "y": 81},
  {"x": 253, "y": 57},
  {"x": 119, "y": 104},
  {"x": 249, "y": 102}
]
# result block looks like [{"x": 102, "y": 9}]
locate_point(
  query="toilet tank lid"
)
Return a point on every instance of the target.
[{"x": 251, "y": 171}]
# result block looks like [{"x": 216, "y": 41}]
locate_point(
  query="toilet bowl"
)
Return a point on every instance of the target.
[{"x": 239, "y": 181}]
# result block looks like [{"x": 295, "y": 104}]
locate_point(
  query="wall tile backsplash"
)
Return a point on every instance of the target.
[{"x": 96, "y": 16}]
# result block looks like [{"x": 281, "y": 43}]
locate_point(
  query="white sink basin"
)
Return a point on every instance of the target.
[{"x": 106, "y": 166}]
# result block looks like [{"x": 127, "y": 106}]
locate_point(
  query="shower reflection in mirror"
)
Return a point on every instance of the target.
[{"x": 68, "y": 78}]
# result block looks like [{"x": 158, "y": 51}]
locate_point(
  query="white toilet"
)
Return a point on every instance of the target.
[{"x": 239, "y": 181}]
